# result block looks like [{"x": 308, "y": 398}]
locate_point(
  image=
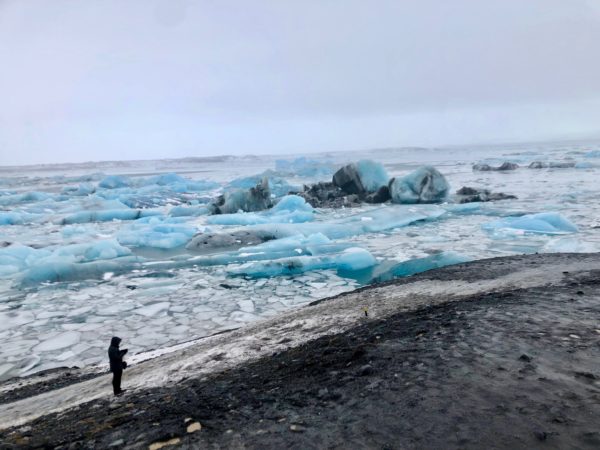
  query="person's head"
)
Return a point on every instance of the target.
[{"x": 115, "y": 341}]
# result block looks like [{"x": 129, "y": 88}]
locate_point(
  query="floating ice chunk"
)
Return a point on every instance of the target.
[
  {"x": 290, "y": 209},
  {"x": 418, "y": 265},
  {"x": 65, "y": 355},
  {"x": 383, "y": 219},
  {"x": 17, "y": 218},
  {"x": 291, "y": 203},
  {"x": 542, "y": 223},
  {"x": 104, "y": 249},
  {"x": 15, "y": 319},
  {"x": 157, "y": 232},
  {"x": 63, "y": 340},
  {"x": 424, "y": 185},
  {"x": 114, "y": 182},
  {"x": 73, "y": 230},
  {"x": 351, "y": 259},
  {"x": 372, "y": 175},
  {"x": 277, "y": 185},
  {"x": 257, "y": 198},
  {"x": 593, "y": 154},
  {"x": 27, "y": 363},
  {"x": 28, "y": 197},
  {"x": 180, "y": 211},
  {"x": 153, "y": 309},
  {"x": 583, "y": 165},
  {"x": 106, "y": 216},
  {"x": 81, "y": 190},
  {"x": 69, "y": 262}
]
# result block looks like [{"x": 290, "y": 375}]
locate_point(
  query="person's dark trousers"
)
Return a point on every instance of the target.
[{"x": 117, "y": 381}]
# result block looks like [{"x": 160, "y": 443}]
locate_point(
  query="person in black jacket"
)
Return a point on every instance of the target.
[{"x": 116, "y": 363}]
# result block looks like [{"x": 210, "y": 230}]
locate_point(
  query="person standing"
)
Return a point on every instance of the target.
[{"x": 115, "y": 356}]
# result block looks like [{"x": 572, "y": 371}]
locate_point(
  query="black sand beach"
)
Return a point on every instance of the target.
[{"x": 513, "y": 367}]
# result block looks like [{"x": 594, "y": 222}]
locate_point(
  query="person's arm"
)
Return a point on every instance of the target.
[{"x": 122, "y": 352}]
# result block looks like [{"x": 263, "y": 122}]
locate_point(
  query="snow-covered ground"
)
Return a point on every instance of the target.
[{"x": 87, "y": 255}]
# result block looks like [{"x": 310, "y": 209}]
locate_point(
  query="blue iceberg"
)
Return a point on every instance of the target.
[
  {"x": 157, "y": 232},
  {"x": 290, "y": 209},
  {"x": 593, "y": 154},
  {"x": 372, "y": 175},
  {"x": 65, "y": 263},
  {"x": 424, "y": 185},
  {"x": 418, "y": 265},
  {"x": 277, "y": 185},
  {"x": 28, "y": 197},
  {"x": 542, "y": 223},
  {"x": 349, "y": 260},
  {"x": 107, "y": 216}
]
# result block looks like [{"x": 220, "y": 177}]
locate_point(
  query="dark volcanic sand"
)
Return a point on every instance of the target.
[{"x": 509, "y": 369}]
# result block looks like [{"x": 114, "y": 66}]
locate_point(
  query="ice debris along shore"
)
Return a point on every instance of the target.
[{"x": 175, "y": 258}]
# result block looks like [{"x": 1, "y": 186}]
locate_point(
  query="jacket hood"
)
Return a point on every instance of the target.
[{"x": 115, "y": 341}]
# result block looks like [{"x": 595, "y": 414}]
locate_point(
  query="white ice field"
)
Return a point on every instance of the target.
[{"x": 89, "y": 251}]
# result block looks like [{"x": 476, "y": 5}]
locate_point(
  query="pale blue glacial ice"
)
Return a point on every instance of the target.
[
  {"x": 148, "y": 278},
  {"x": 289, "y": 209},
  {"x": 351, "y": 259},
  {"x": 424, "y": 185},
  {"x": 543, "y": 223},
  {"x": 156, "y": 232},
  {"x": 372, "y": 174}
]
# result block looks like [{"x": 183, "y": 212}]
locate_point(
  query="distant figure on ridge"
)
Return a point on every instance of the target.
[{"x": 116, "y": 363}]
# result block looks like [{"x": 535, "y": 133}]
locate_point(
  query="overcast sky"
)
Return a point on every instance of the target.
[{"x": 115, "y": 79}]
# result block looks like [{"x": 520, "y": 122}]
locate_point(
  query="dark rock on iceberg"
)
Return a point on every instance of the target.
[
  {"x": 508, "y": 166},
  {"x": 210, "y": 242},
  {"x": 538, "y": 165},
  {"x": 353, "y": 184},
  {"x": 257, "y": 198},
  {"x": 382, "y": 195},
  {"x": 348, "y": 180},
  {"x": 504, "y": 167},
  {"x": 552, "y": 165},
  {"x": 327, "y": 195},
  {"x": 366, "y": 181},
  {"x": 469, "y": 194}
]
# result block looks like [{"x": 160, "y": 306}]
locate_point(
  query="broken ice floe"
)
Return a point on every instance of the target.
[{"x": 542, "y": 223}]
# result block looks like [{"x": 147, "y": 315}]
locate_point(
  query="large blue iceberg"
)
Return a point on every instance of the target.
[
  {"x": 424, "y": 185},
  {"x": 372, "y": 175}
]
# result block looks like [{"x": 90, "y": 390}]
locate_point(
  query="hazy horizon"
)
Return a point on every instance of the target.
[{"x": 102, "y": 81}]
